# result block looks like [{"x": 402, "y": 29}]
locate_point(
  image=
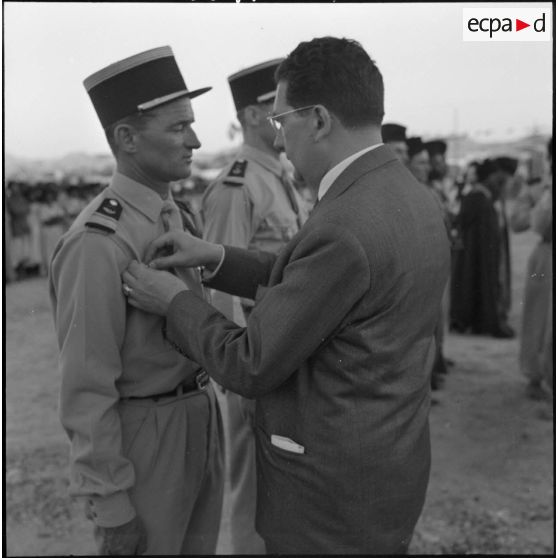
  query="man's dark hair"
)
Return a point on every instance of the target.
[{"x": 336, "y": 73}]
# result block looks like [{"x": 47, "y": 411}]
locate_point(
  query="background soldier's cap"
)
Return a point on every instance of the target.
[
  {"x": 414, "y": 146},
  {"x": 138, "y": 83},
  {"x": 255, "y": 84},
  {"x": 436, "y": 147},
  {"x": 393, "y": 132}
]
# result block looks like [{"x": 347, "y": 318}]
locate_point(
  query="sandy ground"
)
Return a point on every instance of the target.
[{"x": 492, "y": 483}]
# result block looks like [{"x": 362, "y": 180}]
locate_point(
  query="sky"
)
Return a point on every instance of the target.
[{"x": 435, "y": 83}]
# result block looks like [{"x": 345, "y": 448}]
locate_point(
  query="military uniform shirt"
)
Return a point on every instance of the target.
[
  {"x": 251, "y": 205},
  {"x": 108, "y": 349}
]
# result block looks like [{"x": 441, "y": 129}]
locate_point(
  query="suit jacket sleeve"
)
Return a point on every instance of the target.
[
  {"x": 242, "y": 272},
  {"x": 90, "y": 319},
  {"x": 324, "y": 277}
]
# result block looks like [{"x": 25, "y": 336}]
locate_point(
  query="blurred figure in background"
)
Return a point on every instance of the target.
[
  {"x": 252, "y": 204},
  {"x": 52, "y": 221},
  {"x": 512, "y": 178},
  {"x": 449, "y": 193},
  {"x": 507, "y": 169},
  {"x": 497, "y": 183},
  {"x": 74, "y": 202},
  {"x": 35, "y": 201},
  {"x": 475, "y": 283},
  {"x": 533, "y": 209},
  {"x": 419, "y": 162},
  {"x": 395, "y": 135},
  {"x": 470, "y": 178},
  {"x": 9, "y": 271},
  {"x": 439, "y": 177},
  {"x": 18, "y": 208},
  {"x": 419, "y": 165}
]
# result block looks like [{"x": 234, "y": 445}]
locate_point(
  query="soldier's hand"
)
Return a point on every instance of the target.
[
  {"x": 125, "y": 540},
  {"x": 187, "y": 251}
]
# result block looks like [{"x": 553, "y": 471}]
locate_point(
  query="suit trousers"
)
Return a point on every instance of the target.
[
  {"x": 240, "y": 467},
  {"x": 175, "y": 445}
]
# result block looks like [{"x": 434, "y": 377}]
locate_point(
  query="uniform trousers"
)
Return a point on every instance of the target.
[
  {"x": 175, "y": 445},
  {"x": 240, "y": 499}
]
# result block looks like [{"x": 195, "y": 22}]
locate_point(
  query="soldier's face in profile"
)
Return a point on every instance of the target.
[{"x": 165, "y": 144}]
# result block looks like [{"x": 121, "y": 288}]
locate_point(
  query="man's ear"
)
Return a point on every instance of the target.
[
  {"x": 125, "y": 138},
  {"x": 322, "y": 120}
]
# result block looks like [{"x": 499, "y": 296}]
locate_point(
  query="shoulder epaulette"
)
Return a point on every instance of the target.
[
  {"x": 235, "y": 177},
  {"x": 106, "y": 217}
]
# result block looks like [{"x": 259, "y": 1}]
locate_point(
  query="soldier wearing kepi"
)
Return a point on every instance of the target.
[
  {"x": 143, "y": 422},
  {"x": 252, "y": 204},
  {"x": 395, "y": 135}
]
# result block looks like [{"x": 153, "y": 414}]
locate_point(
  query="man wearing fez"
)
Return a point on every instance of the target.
[
  {"x": 338, "y": 347},
  {"x": 252, "y": 204},
  {"x": 395, "y": 136},
  {"x": 142, "y": 420}
]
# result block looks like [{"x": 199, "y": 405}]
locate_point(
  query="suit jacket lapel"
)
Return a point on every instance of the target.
[{"x": 369, "y": 161}]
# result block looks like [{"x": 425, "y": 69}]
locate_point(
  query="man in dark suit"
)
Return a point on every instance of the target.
[{"x": 338, "y": 348}]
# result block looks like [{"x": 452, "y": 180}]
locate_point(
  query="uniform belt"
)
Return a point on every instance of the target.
[{"x": 199, "y": 383}]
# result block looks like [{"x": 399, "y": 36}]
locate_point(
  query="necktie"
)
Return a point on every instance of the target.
[{"x": 172, "y": 221}]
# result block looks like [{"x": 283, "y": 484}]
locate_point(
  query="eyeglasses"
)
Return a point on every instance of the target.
[{"x": 276, "y": 123}]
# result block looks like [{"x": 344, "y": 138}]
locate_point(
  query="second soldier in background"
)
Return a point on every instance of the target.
[{"x": 252, "y": 204}]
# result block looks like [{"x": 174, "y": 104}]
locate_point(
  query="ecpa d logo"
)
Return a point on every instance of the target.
[{"x": 507, "y": 24}]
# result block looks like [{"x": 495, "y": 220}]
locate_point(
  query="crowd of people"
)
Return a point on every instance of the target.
[
  {"x": 35, "y": 216},
  {"x": 306, "y": 303},
  {"x": 476, "y": 204}
]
